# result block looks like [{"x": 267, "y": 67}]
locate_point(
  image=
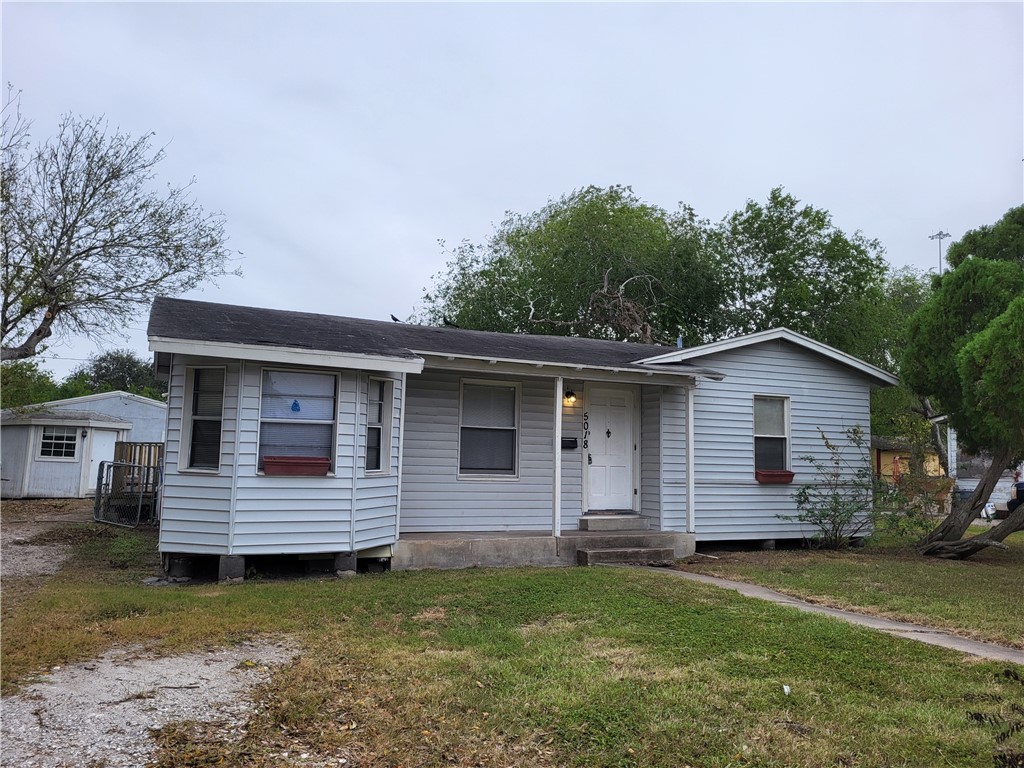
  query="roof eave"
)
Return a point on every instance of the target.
[
  {"x": 868, "y": 370},
  {"x": 286, "y": 355},
  {"x": 50, "y": 420},
  {"x": 454, "y": 361}
]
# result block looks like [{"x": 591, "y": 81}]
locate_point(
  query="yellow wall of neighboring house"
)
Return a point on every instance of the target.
[{"x": 886, "y": 463}]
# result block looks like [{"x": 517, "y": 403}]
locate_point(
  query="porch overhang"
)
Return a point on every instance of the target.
[{"x": 669, "y": 375}]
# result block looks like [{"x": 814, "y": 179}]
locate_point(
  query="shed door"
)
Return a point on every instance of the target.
[
  {"x": 102, "y": 450},
  {"x": 609, "y": 416}
]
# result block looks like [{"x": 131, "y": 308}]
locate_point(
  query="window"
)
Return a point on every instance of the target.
[
  {"x": 58, "y": 442},
  {"x": 771, "y": 433},
  {"x": 297, "y": 415},
  {"x": 488, "y": 429},
  {"x": 378, "y": 425},
  {"x": 207, "y": 412}
]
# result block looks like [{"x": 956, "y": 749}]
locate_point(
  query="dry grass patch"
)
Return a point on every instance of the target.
[
  {"x": 553, "y": 625},
  {"x": 367, "y": 705},
  {"x": 436, "y": 613}
]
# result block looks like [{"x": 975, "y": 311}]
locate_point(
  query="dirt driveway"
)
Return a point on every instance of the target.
[
  {"x": 27, "y": 548},
  {"x": 102, "y": 712}
]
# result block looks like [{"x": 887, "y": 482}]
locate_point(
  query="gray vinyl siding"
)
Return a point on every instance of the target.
[
  {"x": 276, "y": 514},
  {"x": 435, "y": 499},
  {"x": 376, "y": 496},
  {"x": 673, "y": 459},
  {"x": 650, "y": 455},
  {"x": 572, "y": 460},
  {"x": 294, "y": 515},
  {"x": 196, "y": 506},
  {"x": 730, "y": 503}
]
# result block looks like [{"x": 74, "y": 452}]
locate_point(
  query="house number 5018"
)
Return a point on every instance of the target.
[{"x": 586, "y": 429}]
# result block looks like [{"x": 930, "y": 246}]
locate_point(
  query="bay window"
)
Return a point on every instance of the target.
[{"x": 298, "y": 413}]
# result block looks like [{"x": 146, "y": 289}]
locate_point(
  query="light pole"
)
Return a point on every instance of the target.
[{"x": 940, "y": 236}]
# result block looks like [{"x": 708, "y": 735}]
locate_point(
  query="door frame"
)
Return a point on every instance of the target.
[{"x": 634, "y": 392}]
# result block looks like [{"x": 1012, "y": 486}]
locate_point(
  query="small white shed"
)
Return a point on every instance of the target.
[{"x": 53, "y": 450}]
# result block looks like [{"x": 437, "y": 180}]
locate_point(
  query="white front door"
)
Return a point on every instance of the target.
[{"x": 609, "y": 431}]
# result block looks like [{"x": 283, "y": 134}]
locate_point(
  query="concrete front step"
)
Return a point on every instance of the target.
[
  {"x": 634, "y": 555},
  {"x": 627, "y": 522},
  {"x": 617, "y": 539}
]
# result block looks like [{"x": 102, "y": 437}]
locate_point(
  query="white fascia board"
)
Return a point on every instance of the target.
[
  {"x": 771, "y": 335},
  {"x": 103, "y": 396},
  {"x": 538, "y": 368},
  {"x": 289, "y": 355},
  {"x": 48, "y": 421}
]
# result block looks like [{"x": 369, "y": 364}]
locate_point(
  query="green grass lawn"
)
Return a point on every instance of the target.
[
  {"x": 981, "y": 597},
  {"x": 531, "y": 667}
]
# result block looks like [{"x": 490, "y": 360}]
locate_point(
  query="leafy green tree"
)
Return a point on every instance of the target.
[
  {"x": 787, "y": 264},
  {"x": 1002, "y": 241},
  {"x": 598, "y": 263},
  {"x": 898, "y": 411},
  {"x": 965, "y": 349},
  {"x": 86, "y": 241},
  {"x": 992, "y": 367},
  {"x": 23, "y": 382},
  {"x": 601, "y": 263},
  {"x": 119, "y": 369}
]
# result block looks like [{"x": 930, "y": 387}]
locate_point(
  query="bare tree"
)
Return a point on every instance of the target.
[{"x": 86, "y": 238}]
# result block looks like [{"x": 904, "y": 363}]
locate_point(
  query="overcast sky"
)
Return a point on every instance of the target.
[{"x": 342, "y": 141}]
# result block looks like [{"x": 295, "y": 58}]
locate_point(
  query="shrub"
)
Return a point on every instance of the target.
[{"x": 840, "y": 502}]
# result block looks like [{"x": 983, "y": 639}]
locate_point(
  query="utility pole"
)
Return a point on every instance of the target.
[{"x": 940, "y": 236}]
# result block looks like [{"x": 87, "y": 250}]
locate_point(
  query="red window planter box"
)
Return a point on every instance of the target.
[
  {"x": 773, "y": 476},
  {"x": 310, "y": 466}
]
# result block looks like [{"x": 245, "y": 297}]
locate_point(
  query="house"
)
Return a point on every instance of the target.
[
  {"x": 54, "y": 449},
  {"x": 894, "y": 456},
  {"x": 306, "y": 434}
]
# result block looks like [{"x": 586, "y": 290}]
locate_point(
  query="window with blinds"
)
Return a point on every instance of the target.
[
  {"x": 378, "y": 425},
  {"x": 58, "y": 442},
  {"x": 488, "y": 429},
  {"x": 771, "y": 433},
  {"x": 297, "y": 415},
  {"x": 206, "y": 414}
]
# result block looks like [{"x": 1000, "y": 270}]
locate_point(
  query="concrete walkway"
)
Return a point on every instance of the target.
[{"x": 917, "y": 632}]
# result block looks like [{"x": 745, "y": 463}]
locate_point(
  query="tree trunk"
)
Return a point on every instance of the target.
[
  {"x": 963, "y": 514},
  {"x": 938, "y": 443},
  {"x": 958, "y": 550}
]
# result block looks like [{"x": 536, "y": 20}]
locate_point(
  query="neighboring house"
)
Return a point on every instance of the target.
[
  {"x": 893, "y": 456},
  {"x": 296, "y": 433},
  {"x": 54, "y": 449}
]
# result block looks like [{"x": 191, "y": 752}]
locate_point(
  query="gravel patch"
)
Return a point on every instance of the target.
[
  {"x": 19, "y": 560},
  {"x": 25, "y": 520},
  {"x": 100, "y": 713}
]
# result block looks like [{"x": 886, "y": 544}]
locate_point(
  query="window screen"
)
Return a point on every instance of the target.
[
  {"x": 297, "y": 412},
  {"x": 59, "y": 442},
  {"x": 487, "y": 442},
  {"x": 207, "y": 409},
  {"x": 771, "y": 435}
]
